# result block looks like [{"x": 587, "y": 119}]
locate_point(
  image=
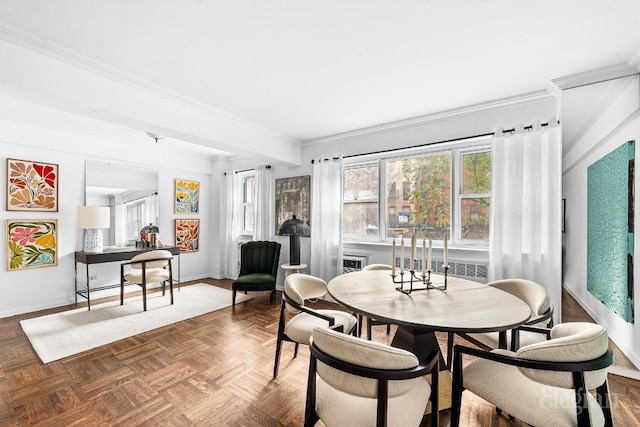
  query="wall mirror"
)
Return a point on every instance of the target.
[{"x": 130, "y": 192}]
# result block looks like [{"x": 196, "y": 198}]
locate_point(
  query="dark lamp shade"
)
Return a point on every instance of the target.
[{"x": 294, "y": 227}]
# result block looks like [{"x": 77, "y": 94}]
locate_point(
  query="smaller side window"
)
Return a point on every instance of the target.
[{"x": 248, "y": 198}]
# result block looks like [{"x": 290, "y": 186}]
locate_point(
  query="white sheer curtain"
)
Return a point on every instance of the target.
[
  {"x": 526, "y": 237},
  {"x": 326, "y": 219},
  {"x": 231, "y": 202},
  {"x": 263, "y": 228}
]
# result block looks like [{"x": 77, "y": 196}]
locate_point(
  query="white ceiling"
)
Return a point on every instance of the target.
[{"x": 309, "y": 69}]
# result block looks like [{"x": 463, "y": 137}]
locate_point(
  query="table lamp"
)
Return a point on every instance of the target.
[
  {"x": 294, "y": 228},
  {"x": 92, "y": 219}
]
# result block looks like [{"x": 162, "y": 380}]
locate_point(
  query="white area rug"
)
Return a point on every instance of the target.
[{"x": 59, "y": 335}]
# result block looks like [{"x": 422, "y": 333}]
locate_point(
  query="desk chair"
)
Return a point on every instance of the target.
[
  {"x": 373, "y": 322},
  {"x": 542, "y": 384},
  {"x": 146, "y": 268},
  {"x": 258, "y": 268},
  {"x": 536, "y": 296},
  {"x": 356, "y": 382},
  {"x": 299, "y": 288}
]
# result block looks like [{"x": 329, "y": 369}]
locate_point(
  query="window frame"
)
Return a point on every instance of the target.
[
  {"x": 356, "y": 237},
  {"x": 459, "y": 196},
  {"x": 244, "y": 204},
  {"x": 456, "y": 149}
]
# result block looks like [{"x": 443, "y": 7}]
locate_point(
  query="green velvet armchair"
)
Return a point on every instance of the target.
[{"x": 258, "y": 268}]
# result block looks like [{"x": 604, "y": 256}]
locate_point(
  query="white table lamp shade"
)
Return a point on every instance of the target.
[{"x": 93, "y": 218}]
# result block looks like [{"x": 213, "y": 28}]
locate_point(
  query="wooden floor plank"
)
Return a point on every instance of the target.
[{"x": 215, "y": 369}]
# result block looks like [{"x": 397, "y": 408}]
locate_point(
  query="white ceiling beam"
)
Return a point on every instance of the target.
[{"x": 36, "y": 72}]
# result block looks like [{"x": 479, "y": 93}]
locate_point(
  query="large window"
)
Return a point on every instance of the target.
[{"x": 432, "y": 192}]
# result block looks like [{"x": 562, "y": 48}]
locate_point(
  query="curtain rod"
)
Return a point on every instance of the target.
[
  {"x": 141, "y": 197},
  {"x": 247, "y": 170},
  {"x": 512, "y": 130}
]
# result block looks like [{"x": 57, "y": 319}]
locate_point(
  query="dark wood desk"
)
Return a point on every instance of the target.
[
  {"x": 465, "y": 306},
  {"x": 111, "y": 255}
]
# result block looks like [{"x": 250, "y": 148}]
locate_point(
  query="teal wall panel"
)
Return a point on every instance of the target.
[{"x": 610, "y": 226}]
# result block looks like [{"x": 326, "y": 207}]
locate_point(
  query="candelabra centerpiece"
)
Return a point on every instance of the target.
[{"x": 417, "y": 281}]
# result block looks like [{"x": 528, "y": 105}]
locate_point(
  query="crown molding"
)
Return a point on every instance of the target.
[
  {"x": 59, "y": 52},
  {"x": 634, "y": 61},
  {"x": 595, "y": 76},
  {"x": 451, "y": 114},
  {"x": 614, "y": 89}
]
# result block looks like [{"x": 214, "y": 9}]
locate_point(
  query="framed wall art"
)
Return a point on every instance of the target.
[
  {"x": 32, "y": 186},
  {"x": 31, "y": 243},
  {"x": 610, "y": 229},
  {"x": 293, "y": 197},
  {"x": 188, "y": 234},
  {"x": 187, "y": 196}
]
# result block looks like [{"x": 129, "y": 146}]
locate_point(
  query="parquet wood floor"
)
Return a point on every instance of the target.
[{"x": 212, "y": 370}]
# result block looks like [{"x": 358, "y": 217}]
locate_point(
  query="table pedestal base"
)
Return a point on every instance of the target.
[{"x": 422, "y": 342}]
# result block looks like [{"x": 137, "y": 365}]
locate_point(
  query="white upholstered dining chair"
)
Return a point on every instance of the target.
[
  {"x": 536, "y": 296},
  {"x": 355, "y": 382},
  {"x": 542, "y": 384},
  {"x": 298, "y": 289},
  {"x": 145, "y": 269}
]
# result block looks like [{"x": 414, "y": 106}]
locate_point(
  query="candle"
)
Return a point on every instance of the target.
[
  {"x": 402, "y": 255},
  {"x": 413, "y": 250},
  {"x": 429, "y": 257},
  {"x": 446, "y": 252},
  {"x": 423, "y": 257},
  {"x": 393, "y": 258}
]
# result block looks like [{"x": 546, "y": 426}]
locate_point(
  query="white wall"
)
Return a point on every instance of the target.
[
  {"x": 618, "y": 123},
  {"x": 30, "y": 290}
]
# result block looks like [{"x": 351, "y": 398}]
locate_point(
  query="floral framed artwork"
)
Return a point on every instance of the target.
[
  {"x": 188, "y": 234},
  {"x": 31, "y": 243},
  {"x": 187, "y": 196},
  {"x": 32, "y": 186}
]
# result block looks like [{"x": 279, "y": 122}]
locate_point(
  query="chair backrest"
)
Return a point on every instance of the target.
[
  {"x": 259, "y": 257},
  {"x": 161, "y": 255},
  {"x": 570, "y": 342},
  {"x": 361, "y": 352},
  {"x": 300, "y": 287},
  {"x": 376, "y": 267},
  {"x": 530, "y": 292}
]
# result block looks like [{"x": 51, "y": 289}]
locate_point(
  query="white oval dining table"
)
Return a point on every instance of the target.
[{"x": 465, "y": 307}]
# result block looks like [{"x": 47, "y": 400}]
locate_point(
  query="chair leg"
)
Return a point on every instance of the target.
[
  {"x": 233, "y": 298},
  {"x": 369, "y": 328},
  {"x": 277, "y": 360},
  {"x": 602, "y": 394},
  {"x": 122, "y": 288},
  {"x": 272, "y": 297},
  {"x": 388, "y": 328},
  {"x": 449, "y": 349},
  {"x": 456, "y": 394},
  {"x": 171, "y": 289},
  {"x": 295, "y": 351},
  {"x": 279, "y": 339},
  {"x": 144, "y": 296}
]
